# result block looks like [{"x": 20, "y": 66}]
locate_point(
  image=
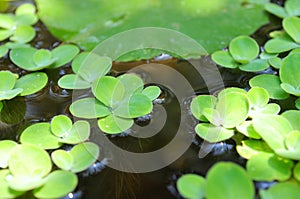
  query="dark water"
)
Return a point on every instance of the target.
[{"x": 101, "y": 181}]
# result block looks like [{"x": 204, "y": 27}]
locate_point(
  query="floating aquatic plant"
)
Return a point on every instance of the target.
[{"x": 291, "y": 8}]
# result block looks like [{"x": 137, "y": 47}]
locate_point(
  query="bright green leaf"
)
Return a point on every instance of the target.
[
  {"x": 23, "y": 57},
  {"x": 78, "y": 60},
  {"x": 258, "y": 97},
  {"x": 201, "y": 102},
  {"x": 152, "y": 92},
  {"x": 292, "y": 141},
  {"x": 72, "y": 81},
  {"x": 61, "y": 125},
  {"x": 223, "y": 58},
  {"x": 32, "y": 83},
  {"x": 281, "y": 190},
  {"x": 132, "y": 83},
  {"x": 296, "y": 171},
  {"x": 213, "y": 133},
  {"x": 276, "y": 10},
  {"x": 275, "y": 62},
  {"x": 248, "y": 130},
  {"x": 255, "y": 65},
  {"x": 62, "y": 159},
  {"x": 6, "y": 147},
  {"x": 43, "y": 58},
  {"x": 293, "y": 117},
  {"x": 3, "y": 50},
  {"x": 114, "y": 124},
  {"x": 80, "y": 132},
  {"x": 63, "y": 54},
  {"x": 292, "y": 7},
  {"x": 191, "y": 186},
  {"x": 252, "y": 147},
  {"x": 292, "y": 26},
  {"x": 289, "y": 71},
  {"x": 279, "y": 45},
  {"x": 7, "y": 80},
  {"x": 5, "y": 190},
  {"x": 23, "y": 34}
]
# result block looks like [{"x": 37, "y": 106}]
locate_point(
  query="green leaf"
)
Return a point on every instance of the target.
[
  {"x": 62, "y": 159},
  {"x": 252, "y": 147},
  {"x": 29, "y": 162},
  {"x": 269, "y": 167},
  {"x": 276, "y": 10},
  {"x": 292, "y": 7},
  {"x": 42, "y": 58},
  {"x": 152, "y": 92},
  {"x": 224, "y": 92},
  {"x": 6, "y": 21},
  {"x": 23, "y": 34},
  {"x": 255, "y": 65},
  {"x": 289, "y": 70},
  {"x": 6, "y": 147},
  {"x": 80, "y": 132},
  {"x": 40, "y": 135},
  {"x": 296, "y": 171},
  {"x": 290, "y": 89},
  {"x": 7, "y": 95},
  {"x": 25, "y": 8},
  {"x": 233, "y": 108},
  {"x": 223, "y": 58},
  {"x": 23, "y": 57},
  {"x": 82, "y": 26},
  {"x": 78, "y": 60},
  {"x": 281, "y": 190},
  {"x": 32, "y": 83},
  {"x": 94, "y": 67},
  {"x": 63, "y": 54},
  {"x": 5, "y": 190},
  {"x": 258, "y": 97},
  {"x": 191, "y": 186},
  {"x": 279, "y": 45},
  {"x": 61, "y": 125},
  {"x": 132, "y": 83},
  {"x": 271, "y": 108},
  {"x": 275, "y": 62},
  {"x": 200, "y": 103},
  {"x": 292, "y": 26},
  {"x": 7, "y": 80},
  {"x": 136, "y": 106},
  {"x": 217, "y": 186},
  {"x": 271, "y": 83},
  {"x": 243, "y": 49},
  {"x": 59, "y": 183},
  {"x": 5, "y": 34},
  {"x": 84, "y": 155},
  {"x": 3, "y": 50},
  {"x": 293, "y": 117},
  {"x": 89, "y": 108},
  {"x": 273, "y": 129},
  {"x": 109, "y": 90},
  {"x": 292, "y": 141},
  {"x": 213, "y": 133},
  {"x": 72, "y": 81},
  {"x": 248, "y": 130},
  {"x": 114, "y": 124}
]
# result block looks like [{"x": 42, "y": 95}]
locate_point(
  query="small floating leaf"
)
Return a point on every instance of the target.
[
  {"x": 5, "y": 190},
  {"x": 72, "y": 81},
  {"x": 223, "y": 58},
  {"x": 276, "y": 10},
  {"x": 281, "y": 190},
  {"x": 80, "y": 132},
  {"x": 252, "y": 147},
  {"x": 32, "y": 83},
  {"x": 63, "y": 54},
  {"x": 6, "y": 147},
  {"x": 213, "y": 133},
  {"x": 292, "y": 7},
  {"x": 62, "y": 159},
  {"x": 152, "y": 92},
  {"x": 200, "y": 103},
  {"x": 61, "y": 125},
  {"x": 114, "y": 124},
  {"x": 191, "y": 186},
  {"x": 292, "y": 26}
]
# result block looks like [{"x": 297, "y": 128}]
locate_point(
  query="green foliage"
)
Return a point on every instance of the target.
[
  {"x": 243, "y": 52},
  {"x": 291, "y": 8},
  {"x": 31, "y": 59},
  {"x": 11, "y": 85},
  {"x": 280, "y": 190},
  {"x": 191, "y": 186},
  {"x": 117, "y": 101},
  {"x": 18, "y": 27}
]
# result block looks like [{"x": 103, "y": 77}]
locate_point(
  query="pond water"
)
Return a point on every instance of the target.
[{"x": 101, "y": 181}]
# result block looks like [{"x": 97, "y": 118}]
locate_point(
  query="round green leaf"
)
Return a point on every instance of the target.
[
  {"x": 292, "y": 141},
  {"x": 281, "y": 190},
  {"x": 114, "y": 124},
  {"x": 252, "y": 147},
  {"x": 59, "y": 183},
  {"x": 201, "y": 102},
  {"x": 5, "y": 190},
  {"x": 136, "y": 106},
  {"x": 23, "y": 57},
  {"x": 292, "y": 7},
  {"x": 61, "y": 125},
  {"x": 40, "y": 135},
  {"x": 72, "y": 81},
  {"x": 132, "y": 83},
  {"x": 80, "y": 132},
  {"x": 23, "y": 34},
  {"x": 271, "y": 83},
  {"x": 275, "y": 62},
  {"x": 32, "y": 83},
  {"x": 289, "y": 70},
  {"x": 62, "y": 159},
  {"x": 233, "y": 109},
  {"x": 152, "y": 92},
  {"x": 6, "y": 147},
  {"x": 26, "y": 8},
  {"x": 89, "y": 108},
  {"x": 292, "y": 26},
  {"x": 78, "y": 60},
  {"x": 84, "y": 155},
  {"x": 7, "y": 21},
  {"x": 240, "y": 185},
  {"x": 269, "y": 167},
  {"x": 293, "y": 117},
  {"x": 231, "y": 90},
  {"x": 29, "y": 161},
  {"x": 279, "y": 45},
  {"x": 273, "y": 129},
  {"x": 42, "y": 58},
  {"x": 213, "y": 133},
  {"x": 223, "y": 58},
  {"x": 3, "y": 50},
  {"x": 276, "y": 10},
  {"x": 7, "y": 80},
  {"x": 63, "y": 54},
  {"x": 191, "y": 186},
  {"x": 109, "y": 90},
  {"x": 296, "y": 171},
  {"x": 5, "y": 34},
  {"x": 7, "y": 95},
  {"x": 255, "y": 65},
  {"x": 290, "y": 89},
  {"x": 243, "y": 49},
  {"x": 258, "y": 97},
  {"x": 94, "y": 67},
  {"x": 248, "y": 130}
]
